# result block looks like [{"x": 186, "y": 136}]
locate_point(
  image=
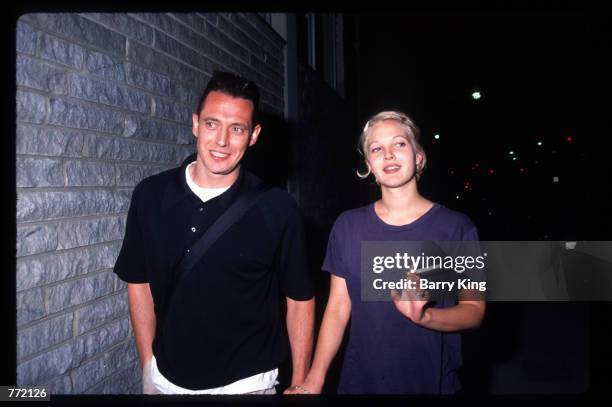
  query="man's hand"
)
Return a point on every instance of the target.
[
  {"x": 300, "y": 328},
  {"x": 147, "y": 380}
]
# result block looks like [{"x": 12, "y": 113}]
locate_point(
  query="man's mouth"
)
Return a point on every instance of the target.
[{"x": 218, "y": 155}]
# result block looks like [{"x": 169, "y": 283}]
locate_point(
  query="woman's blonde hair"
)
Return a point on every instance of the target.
[{"x": 407, "y": 124}]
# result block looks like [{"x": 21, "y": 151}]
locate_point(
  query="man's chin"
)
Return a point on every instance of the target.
[{"x": 224, "y": 171}]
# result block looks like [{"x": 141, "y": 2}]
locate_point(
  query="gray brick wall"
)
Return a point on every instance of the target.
[{"x": 104, "y": 100}]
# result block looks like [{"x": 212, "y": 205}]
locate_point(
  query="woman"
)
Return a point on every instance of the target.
[{"x": 405, "y": 346}]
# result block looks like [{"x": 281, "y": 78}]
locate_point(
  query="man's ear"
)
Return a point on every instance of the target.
[
  {"x": 195, "y": 118},
  {"x": 254, "y": 135}
]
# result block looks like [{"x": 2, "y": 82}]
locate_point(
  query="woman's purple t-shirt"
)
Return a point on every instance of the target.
[{"x": 386, "y": 352}]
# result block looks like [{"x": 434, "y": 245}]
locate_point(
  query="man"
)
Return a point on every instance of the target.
[{"x": 217, "y": 329}]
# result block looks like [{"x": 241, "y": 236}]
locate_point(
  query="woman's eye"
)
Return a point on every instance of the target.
[
  {"x": 375, "y": 149},
  {"x": 400, "y": 144}
]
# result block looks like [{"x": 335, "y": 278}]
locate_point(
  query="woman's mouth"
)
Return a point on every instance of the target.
[{"x": 391, "y": 169}]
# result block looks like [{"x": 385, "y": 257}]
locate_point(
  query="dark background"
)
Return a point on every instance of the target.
[{"x": 544, "y": 77}]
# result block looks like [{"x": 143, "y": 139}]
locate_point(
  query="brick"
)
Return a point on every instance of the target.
[
  {"x": 102, "y": 65},
  {"x": 228, "y": 44},
  {"x": 210, "y": 17},
  {"x": 111, "y": 362},
  {"x": 166, "y": 65},
  {"x": 157, "y": 130},
  {"x": 46, "y": 366},
  {"x": 26, "y": 38},
  {"x": 130, "y": 175},
  {"x": 276, "y": 77},
  {"x": 186, "y": 137},
  {"x": 272, "y": 43},
  {"x": 241, "y": 21},
  {"x": 71, "y": 25},
  {"x": 85, "y": 117},
  {"x": 119, "y": 284},
  {"x": 185, "y": 151},
  {"x": 238, "y": 35},
  {"x": 101, "y": 339},
  {"x": 124, "y": 24},
  {"x": 31, "y": 107},
  {"x": 39, "y": 172},
  {"x": 166, "y": 109},
  {"x": 79, "y": 291},
  {"x": 123, "y": 382},
  {"x": 30, "y": 306},
  {"x": 170, "y": 26},
  {"x": 271, "y": 99},
  {"x": 128, "y": 150},
  {"x": 60, "y": 385},
  {"x": 182, "y": 52},
  {"x": 46, "y": 205},
  {"x": 149, "y": 80},
  {"x": 136, "y": 388},
  {"x": 57, "y": 50},
  {"x": 57, "y": 266},
  {"x": 35, "y": 239},
  {"x": 86, "y": 173},
  {"x": 48, "y": 141},
  {"x": 44, "y": 335},
  {"x": 188, "y": 95},
  {"x": 107, "y": 93},
  {"x": 122, "y": 199},
  {"x": 89, "y": 231},
  {"x": 192, "y": 20},
  {"x": 101, "y": 312},
  {"x": 161, "y": 84},
  {"x": 39, "y": 75}
]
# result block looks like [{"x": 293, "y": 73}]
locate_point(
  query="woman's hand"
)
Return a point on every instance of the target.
[{"x": 411, "y": 302}]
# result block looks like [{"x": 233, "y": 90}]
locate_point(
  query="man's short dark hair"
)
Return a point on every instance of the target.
[{"x": 233, "y": 85}]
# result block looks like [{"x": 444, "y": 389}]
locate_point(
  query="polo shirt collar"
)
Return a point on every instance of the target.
[{"x": 178, "y": 190}]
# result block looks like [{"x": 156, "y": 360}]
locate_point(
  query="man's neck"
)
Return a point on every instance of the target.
[{"x": 205, "y": 179}]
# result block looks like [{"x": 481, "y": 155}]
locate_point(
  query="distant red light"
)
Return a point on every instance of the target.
[
  {"x": 491, "y": 171},
  {"x": 569, "y": 139}
]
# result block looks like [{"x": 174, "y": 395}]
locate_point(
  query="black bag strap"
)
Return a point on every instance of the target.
[{"x": 233, "y": 214}]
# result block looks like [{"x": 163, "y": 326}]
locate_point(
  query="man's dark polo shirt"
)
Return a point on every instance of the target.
[{"x": 224, "y": 322}]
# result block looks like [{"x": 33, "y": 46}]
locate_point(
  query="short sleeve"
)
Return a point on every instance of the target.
[
  {"x": 295, "y": 277},
  {"x": 130, "y": 266},
  {"x": 333, "y": 262},
  {"x": 470, "y": 244}
]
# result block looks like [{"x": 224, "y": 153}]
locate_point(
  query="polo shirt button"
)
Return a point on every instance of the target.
[
  {"x": 193, "y": 229},
  {"x": 201, "y": 209}
]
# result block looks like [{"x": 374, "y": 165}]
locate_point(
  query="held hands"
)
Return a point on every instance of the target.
[{"x": 411, "y": 303}]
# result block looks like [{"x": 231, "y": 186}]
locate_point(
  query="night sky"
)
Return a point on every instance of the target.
[{"x": 543, "y": 113}]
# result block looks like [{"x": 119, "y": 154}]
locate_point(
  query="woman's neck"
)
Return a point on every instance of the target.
[{"x": 401, "y": 206}]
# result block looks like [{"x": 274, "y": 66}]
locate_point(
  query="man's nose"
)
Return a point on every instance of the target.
[{"x": 222, "y": 138}]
